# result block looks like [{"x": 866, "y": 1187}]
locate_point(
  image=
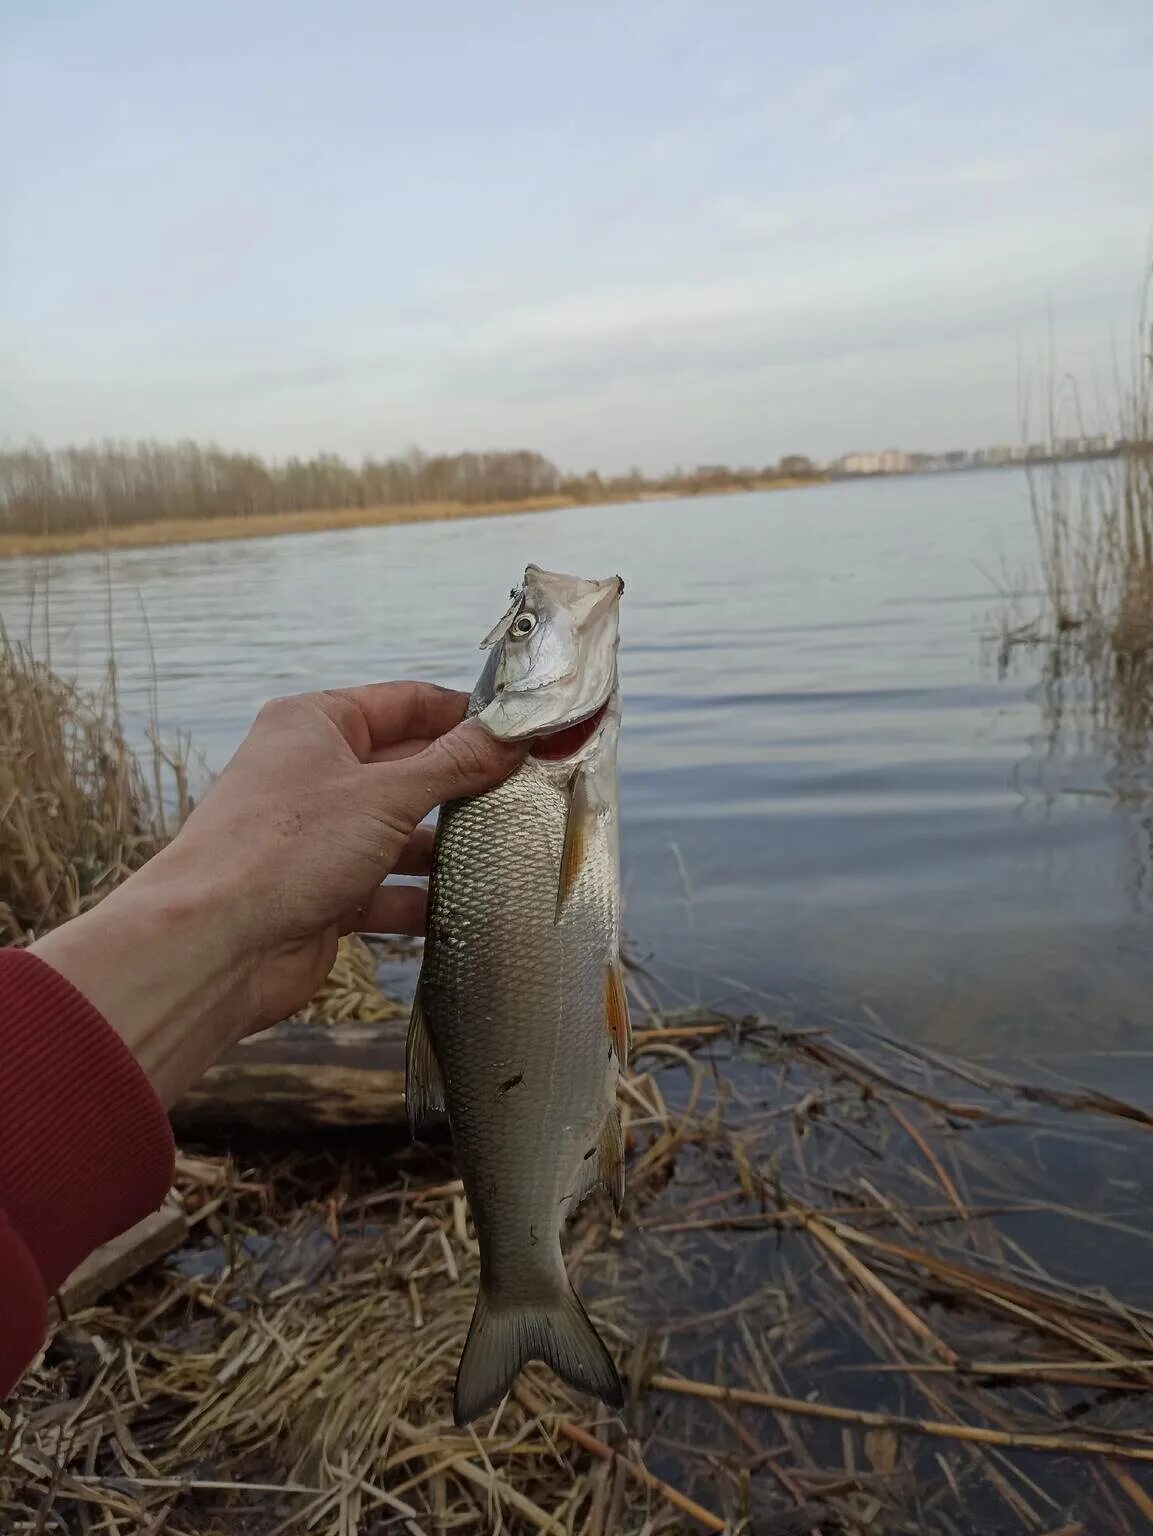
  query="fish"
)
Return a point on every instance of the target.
[{"x": 520, "y": 1024}]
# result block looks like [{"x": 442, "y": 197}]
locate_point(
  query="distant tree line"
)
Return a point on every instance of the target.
[{"x": 69, "y": 489}]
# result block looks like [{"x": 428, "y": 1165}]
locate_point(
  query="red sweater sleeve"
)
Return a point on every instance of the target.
[{"x": 85, "y": 1146}]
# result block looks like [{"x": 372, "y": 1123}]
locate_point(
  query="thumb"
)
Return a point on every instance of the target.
[{"x": 465, "y": 761}]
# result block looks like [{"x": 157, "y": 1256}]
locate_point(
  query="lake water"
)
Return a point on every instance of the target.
[{"x": 828, "y": 795}]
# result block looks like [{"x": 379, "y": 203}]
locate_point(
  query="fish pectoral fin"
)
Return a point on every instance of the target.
[
  {"x": 423, "y": 1081},
  {"x": 603, "y": 1166},
  {"x": 617, "y": 1011},
  {"x": 577, "y": 829},
  {"x": 503, "y": 1339}
]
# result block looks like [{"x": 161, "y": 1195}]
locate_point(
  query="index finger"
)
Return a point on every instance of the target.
[{"x": 403, "y": 711}]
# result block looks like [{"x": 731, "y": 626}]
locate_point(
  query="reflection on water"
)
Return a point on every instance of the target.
[{"x": 828, "y": 794}]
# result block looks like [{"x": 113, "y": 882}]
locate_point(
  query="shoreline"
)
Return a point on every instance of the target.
[{"x": 175, "y": 531}]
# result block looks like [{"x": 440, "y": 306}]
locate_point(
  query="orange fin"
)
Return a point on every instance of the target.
[
  {"x": 576, "y": 837},
  {"x": 617, "y": 1012}
]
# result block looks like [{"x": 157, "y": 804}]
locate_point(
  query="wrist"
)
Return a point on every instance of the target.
[{"x": 162, "y": 965}]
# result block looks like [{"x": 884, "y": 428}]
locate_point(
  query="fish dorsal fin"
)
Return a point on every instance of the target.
[
  {"x": 603, "y": 1165},
  {"x": 577, "y": 829},
  {"x": 423, "y": 1081},
  {"x": 617, "y": 1011}
]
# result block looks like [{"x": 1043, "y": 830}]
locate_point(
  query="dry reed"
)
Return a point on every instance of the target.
[
  {"x": 352, "y": 992},
  {"x": 826, "y": 1313},
  {"x": 79, "y": 810},
  {"x": 200, "y": 530},
  {"x": 1094, "y": 538}
]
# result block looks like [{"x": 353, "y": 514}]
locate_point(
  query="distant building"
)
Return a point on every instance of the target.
[
  {"x": 859, "y": 464},
  {"x": 894, "y": 461}
]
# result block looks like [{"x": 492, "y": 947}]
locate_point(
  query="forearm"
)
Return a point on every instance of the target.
[{"x": 158, "y": 960}]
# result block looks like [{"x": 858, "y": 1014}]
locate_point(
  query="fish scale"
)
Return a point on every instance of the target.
[
  {"x": 527, "y": 997},
  {"x": 519, "y": 1023}
]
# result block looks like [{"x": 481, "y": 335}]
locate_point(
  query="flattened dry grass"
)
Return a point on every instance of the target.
[
  {"x": 352, "y": 993},
  {"x": 821, "y": 1296}
]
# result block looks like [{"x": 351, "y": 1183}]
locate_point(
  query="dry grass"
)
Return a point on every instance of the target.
[
  {"x": 352, "y": 992},
  {"x": 206, "y": 530},
  {"x": 821, "y": 1297},
  {"x": 1094, "y": 533},
  {"x": 79, "y": 809},
  {"x": 194, "y": 530}
]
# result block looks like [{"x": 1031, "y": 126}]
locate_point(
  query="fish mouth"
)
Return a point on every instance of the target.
[{"x": 556, "y": 746}]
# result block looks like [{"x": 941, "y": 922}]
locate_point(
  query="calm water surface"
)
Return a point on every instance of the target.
[{"x": 828, "y": 796}]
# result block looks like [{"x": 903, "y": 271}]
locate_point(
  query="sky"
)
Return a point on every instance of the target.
[{"x": 652, "y": 232}]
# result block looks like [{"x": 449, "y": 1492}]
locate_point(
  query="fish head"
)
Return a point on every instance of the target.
[{"x": 553, "y": 665}]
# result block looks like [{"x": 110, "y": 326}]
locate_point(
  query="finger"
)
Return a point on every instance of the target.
[
  {"x": 464, "y": 762},
  {"x": 395, "y": 909},
  {"x": 417, "y": 856},
  {"x": 395, "y": 749},
  {"x": 392, "y": 712}
]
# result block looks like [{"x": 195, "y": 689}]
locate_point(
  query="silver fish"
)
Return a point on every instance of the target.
[{"x": 520, "y": 1022}]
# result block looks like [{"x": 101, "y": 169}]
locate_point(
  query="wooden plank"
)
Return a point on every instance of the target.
[
  {"x": 117, "y": 1261},
  {"x": 300, "y": 1077}
]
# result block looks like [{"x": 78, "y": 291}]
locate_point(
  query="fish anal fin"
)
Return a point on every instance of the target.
[
  {"x": 617, "y": 1011},
  {"x": 502, "y": 1340},
  {"x": 603, "y": 1165},
  {"x": 578, "y": 826},
  {"x": 611, "y": 1158},
  {"x": 423, "y": 1082}
]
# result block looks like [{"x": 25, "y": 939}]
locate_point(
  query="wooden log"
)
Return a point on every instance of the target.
[
  {"x": 298, "y": 1077},
  {"x": 116, "y": 1261}
]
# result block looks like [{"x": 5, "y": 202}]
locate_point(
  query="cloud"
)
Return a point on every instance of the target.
[{"x": 754, "y": 230}]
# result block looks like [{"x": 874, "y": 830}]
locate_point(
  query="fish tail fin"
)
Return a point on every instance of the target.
[{"x": 502, "y": 1340}]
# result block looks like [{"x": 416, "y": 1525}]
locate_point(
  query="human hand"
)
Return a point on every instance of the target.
[
  {"x": 319, "y": 805},
  {"x": 235, "y": 924}
]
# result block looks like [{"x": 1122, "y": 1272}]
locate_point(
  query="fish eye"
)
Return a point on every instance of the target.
[{"x": 524, "y": 624}]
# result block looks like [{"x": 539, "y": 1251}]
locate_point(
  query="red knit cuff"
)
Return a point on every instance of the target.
[
  {"x": 85, "y": 1146},
  {"x": 24, "y": 1314}
]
